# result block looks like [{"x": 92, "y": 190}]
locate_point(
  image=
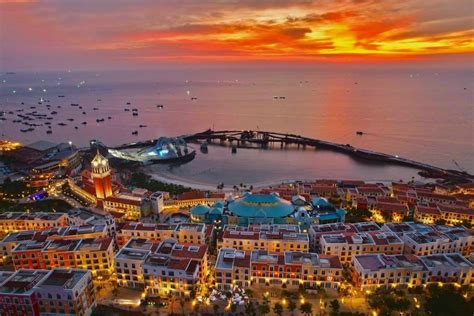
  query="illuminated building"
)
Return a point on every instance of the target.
[
  {"x": 18, "y": 293},
  {"x": 285, "y": 270},
  {"x": 66, "y": 292},
  {"x": 191, "y": 199},
  {"x": 101, "y": 176},
  {"x": 7, "y": 146},
  {"x": 184, "y": 233},
  {"x": 379, "y": 270},
  {"x": 274, "y": 238},
  {"x": 451, "y": 214},
  {"x": 129, "y": 261},
  {"x": 389, "y": 211},
  {"x": 93, "y": 254},
  {"x": 346, "y": 245},
  {"x": 316, "y": 231},
  {"x": 441, "y": 239},
  {"x": 18, "y": 221}
]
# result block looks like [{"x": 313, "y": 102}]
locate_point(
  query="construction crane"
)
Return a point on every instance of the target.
[{"x": 458, "y": 166}]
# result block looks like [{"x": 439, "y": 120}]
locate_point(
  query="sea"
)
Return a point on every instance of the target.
[{"x": 424, "y": 114}]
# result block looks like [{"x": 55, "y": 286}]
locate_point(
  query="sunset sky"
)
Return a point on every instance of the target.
[{"x": 120, "y": 33}]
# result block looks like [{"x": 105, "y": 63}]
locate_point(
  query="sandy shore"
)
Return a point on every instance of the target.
[{"x": 207, "y": 186}]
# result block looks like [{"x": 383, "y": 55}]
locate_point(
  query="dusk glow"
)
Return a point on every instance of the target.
[{"x": 87, "y": 33}]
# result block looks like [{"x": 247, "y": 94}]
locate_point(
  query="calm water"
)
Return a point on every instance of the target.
[{"x": 425, "y": 115}]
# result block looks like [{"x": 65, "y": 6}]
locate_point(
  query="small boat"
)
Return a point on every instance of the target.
[
  {"x": 61, "y": 96},
  {"x": 126, "y": 110},
  {"x": 62, "y": 124},
  {"x": 141, "y": 126},
  {"x": 84, "y": 123},
  {"x": 75, "y": 127},
  {"x": 99, "y": 120},
  {"x": 194, "y": 98},
  {"x": 70, "y": 119},
  {"x": 204, "y": 148},
  {"x": 135, "y": 110},
  {"x": 110, "y": 117},
  {"x": 135, "y": 114},
  {"x": 22, "y": 102},
  {"x": 282, "y": 97},
  {"x": 59, "y": 106},
  {"x": 80, "y": 107},
  {"x": 360, "y": 133},
  {"x": 54, "y": 113},
  {"x": 135, "y": 133},
  {"x": 84, "y": 113},
  {"x": 275, "y": 97},
  {"x": 234, "y": 149},
  {"x": 49, "y": 132},
  {"x": 74, "y": 104},
  {"x": 99, "y": 100},
  {"x": 95, "y": 109},
  {"x": 128, "y": 103},
  {"x": 160, "y": 106}
]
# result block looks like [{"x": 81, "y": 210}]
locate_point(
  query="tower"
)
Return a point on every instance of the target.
[{"x": 101, "y": 176}]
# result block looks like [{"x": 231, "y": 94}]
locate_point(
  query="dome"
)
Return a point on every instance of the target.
[
  {"x": 261, "y": 205},
  {"x": 200, "y": 210},
  {"x": 322, "y": 202}
]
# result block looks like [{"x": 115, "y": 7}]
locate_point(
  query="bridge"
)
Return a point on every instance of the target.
[{"x": 265, "y": 139}]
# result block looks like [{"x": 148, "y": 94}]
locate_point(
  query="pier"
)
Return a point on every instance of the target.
[{"x": 265, "y": 139}]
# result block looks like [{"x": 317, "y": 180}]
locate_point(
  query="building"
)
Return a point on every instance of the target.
[
  {"x": 450, "y": 214},
  {"x": 101, "y": 177},
  {"x": 388, "y": 212},
  {"x": 18, "y": 221},
  {"x": 288, "y": 270},
  {"x": 175, "y": 269},
  {"x": 441, "y": 239},
  {"x": 273, "y": 238},
  {"x": 372, "y": 271},
  {"x": 18, "y": 293},
  {"x": 81, "y": 217},
  {"x": 184, "y": 233},
  {"x": 346, "y": 245},
  {"x": 316, "y": 231},
  {"x": 66, "y": 292},
  {"x": 93, "y": 254}
]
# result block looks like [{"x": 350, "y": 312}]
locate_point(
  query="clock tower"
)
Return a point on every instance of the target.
[{"x": 101, "y": 176}]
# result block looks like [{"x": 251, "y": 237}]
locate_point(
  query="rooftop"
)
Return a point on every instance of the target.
[
  {"x": 22, "y": 281},
  {"x": 261, "y": 205},
  {"x": 42, "y": 145},
  {"x": 64, "y": 278}
]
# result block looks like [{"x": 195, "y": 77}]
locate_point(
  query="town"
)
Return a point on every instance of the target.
[{"x": 80, "y": 236}]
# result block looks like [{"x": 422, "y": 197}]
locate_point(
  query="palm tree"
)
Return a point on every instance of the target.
[
  {"x": 264, "y": 309},
  {"x": 216, "y": 308},
  {"x": 278, "y": 309},
  {"x": 250, "y": 308},
  {"x": 335, "y": 307},
  {"x": 306, "y": 308},
  {"x": 291, "y": 306}
]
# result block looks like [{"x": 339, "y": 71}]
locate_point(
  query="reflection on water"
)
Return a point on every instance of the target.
[{"x": 258, "y": 166}]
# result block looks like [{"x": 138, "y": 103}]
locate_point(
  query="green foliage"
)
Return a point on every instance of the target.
[
  {"x": 250, "y": 308},
  {"x": 141, "y": 180},
  {"x": 335, "y": 307},
  {"x": 40, "y": 206},
  {"x": 291, "y": 306},
  {"x": 357, "y": 215},
  {"x": 278, "y": 309},
  {"x": 264, "y": 309},
  {"x": 15, "y": 189},
  {"x": 387, "y": 300},
  {"x": 306, "y": 308},
  {"x": 446, "y": 301}
]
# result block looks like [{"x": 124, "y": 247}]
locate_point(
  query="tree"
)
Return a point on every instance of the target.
[
  {"x": 216, "y": 308},
  {"x": 387, "y": 300},
  {"x": 447, "y": 300},
  {"x": 306, "y": 308},
  {"x": 278, "y": 309},
  {"x": 250, "y": 308},
  {"x": 335, "y": 307},
  {"x": 291, "y": 306},
  {"x": 264, "y": 309}
]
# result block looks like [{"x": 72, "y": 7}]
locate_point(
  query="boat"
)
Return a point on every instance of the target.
[
  {"x": 141, "y": 126},
  {"x": 70, "y": 119},
  {"x": 99, "y": 120},
  {"x": 62, "y": 124},
  {"x": 135, "y": 114},
  {"x": 282, "y": 97},
  {"x": 126, "y": 110},
  {"x": 74, "y": 104},
  {"x": 110, "y": 117},
  {"x": 75, "y": 127},
  {"x": 234, "y": 149},
  {"x": 49, "y": 132},
  {"x": 204, "y": 148},
  {"x": 360, "y": 133},
  {"x": 84, "y": 123},
  {"x": 128, "y": 103},
  {"x": 84, "y": 113},
  {"x": 275, "y": 97},
  {"x": 61, "y": 96},
  {"x": 135, "y": 133},
  {"x": 160, "y": 106},
  {"x": 99, "y": 100},
  {"x": 95, "y": 109},
  {"x": 54, "y": 113},
  {"x": 135, "y": 110},
  {"x": 194, "y": 98}
]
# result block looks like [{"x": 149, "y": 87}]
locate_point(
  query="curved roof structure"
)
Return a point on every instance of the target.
[
  {"x": 200, "y": 210},
  {"x": 261, "y": 205}
]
